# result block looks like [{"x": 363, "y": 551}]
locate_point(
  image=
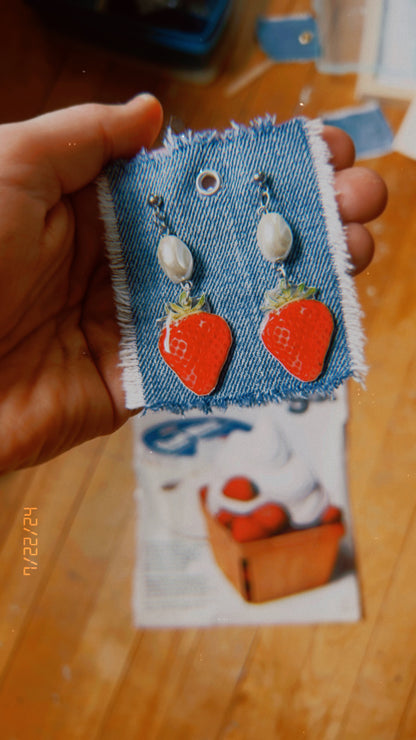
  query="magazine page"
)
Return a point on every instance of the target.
[{"x": 243, "y": 516}]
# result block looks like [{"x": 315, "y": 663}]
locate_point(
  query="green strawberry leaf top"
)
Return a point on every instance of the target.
[
  {"x": 285, "y": 293},
  {"x": 184, "y": 307}
]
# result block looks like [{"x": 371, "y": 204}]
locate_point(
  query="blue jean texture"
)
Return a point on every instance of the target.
[
  {"x": 368, "y": 128},
  {"x": 280, "y": 38},
  {"x": 220, "y": 231}
]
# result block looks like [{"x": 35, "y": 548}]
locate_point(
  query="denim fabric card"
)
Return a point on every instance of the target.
[{"x": 205, "y": 193}]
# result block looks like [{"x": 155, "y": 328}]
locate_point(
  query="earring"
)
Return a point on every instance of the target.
[
  {"x": 193, "y": 342},
  {"x": 296, "y": 328}
]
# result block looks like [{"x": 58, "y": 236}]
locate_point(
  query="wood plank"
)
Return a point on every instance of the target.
[
  {"x": 407, "y": 724},
  {"x": 178, "y": 689},
  {"x": 218, "y": 660},
  {"x": 149, "y": 684},
  {"x": 54, "y": 494},
  {"x": 13, "y": 489},
  {"x": 386, "y": 676},
  {"x": 270, "y": 677},
  {"x": 88, "y": 678},
  {"x": 67, "y": 601}
]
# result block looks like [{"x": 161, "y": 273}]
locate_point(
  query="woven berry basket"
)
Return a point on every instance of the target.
[{"x": 278, "y": 566}]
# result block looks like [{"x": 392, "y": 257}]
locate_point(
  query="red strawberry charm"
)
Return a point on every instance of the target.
[
  {"x": 195, "y": 344},
  {"x": 297, "y": 329}
]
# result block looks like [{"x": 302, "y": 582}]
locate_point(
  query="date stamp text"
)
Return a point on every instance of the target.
[{"x": 30, "y": 540}]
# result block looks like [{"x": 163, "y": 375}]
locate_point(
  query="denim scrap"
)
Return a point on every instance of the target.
[
  {"x": 367, "y": 126},
  {"x": 290, "y": 38},
  {"x": 220, "y": 230}
]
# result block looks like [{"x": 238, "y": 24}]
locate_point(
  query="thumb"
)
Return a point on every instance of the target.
[{"x": 71, "y": 146}]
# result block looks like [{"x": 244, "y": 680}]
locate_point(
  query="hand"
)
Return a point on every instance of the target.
[
  {"x": 361, "y": 195},
  {"x": 59, "y": 375},
  {"x": 60, "y": 381}
]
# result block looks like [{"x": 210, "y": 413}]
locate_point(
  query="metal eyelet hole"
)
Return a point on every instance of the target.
[
  {"x": 208, "y": 182},
  {"x": 305, "y": 37}
]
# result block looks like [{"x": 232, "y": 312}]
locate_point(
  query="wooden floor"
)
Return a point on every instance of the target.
[{"x": 71, "y": 663}]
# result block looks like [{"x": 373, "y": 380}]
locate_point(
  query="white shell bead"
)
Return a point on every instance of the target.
[
  {"x": 175, "y": 258},
  {"x": 274, "y": 237}
]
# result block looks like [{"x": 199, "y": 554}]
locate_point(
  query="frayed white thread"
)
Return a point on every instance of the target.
[
  {"x": 129, "y": 360},
  {"x": 173, "y": 141},
  {"x": 338, "y": 246}
]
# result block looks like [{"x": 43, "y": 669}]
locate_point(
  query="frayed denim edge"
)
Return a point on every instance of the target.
[
  {"x": 209, "y": 404},
  {"x": 355, "y": 336},
  {"x": 129, "y": 359},
  {"x": 172, "y": 141}
]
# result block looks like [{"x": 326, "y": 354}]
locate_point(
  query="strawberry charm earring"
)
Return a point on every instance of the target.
[
  {"x": 296, "y": 328},
  {"x": 193, "y": 342}
]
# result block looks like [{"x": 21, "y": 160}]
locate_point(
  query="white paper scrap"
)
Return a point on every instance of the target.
[
  {"x": 190, "y": 571},
  {"x": 405, "y": 139}
]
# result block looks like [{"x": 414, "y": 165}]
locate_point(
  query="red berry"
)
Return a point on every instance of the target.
[
  {"x": 196, "y": 347},
  {"x": 298, "y": 334},
  {"x": 331, "y": 515},
  {"x": 224, "y": 517},
  {"x": 240, "y": 488},
  {"x": 246, "y": 529},
  {"x": 271, "y": 517},
  {"x": 203, "y": 493}
]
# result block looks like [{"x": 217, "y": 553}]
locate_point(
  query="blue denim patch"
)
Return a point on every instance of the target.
[
  {"x": 292, "y": 38},
  {"x": 220, "y": 230},
  {"x": 367, "y": 126}
]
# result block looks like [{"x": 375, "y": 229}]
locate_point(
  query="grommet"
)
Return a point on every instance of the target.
[
  {"x": 208, "y": 182},
  {"x": 305, "y": 37}
]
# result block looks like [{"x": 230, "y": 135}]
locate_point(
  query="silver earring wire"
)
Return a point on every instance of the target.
[{"x": 156, "y": 203}]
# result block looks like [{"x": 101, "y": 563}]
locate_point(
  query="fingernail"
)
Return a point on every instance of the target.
[{"x": 145, "y": 97}]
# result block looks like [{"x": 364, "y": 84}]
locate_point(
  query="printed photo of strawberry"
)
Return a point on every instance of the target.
[
  {"x": 224, "y": 517},
  {"x": 240, "y": 489},
  {"x": 297, "y": 329},
  {"x": 272, "y": 517},
  {"x": 195, "y": 344},
  {"x": 245, "y": 528},
  {"x": 331, "y": 515}
]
